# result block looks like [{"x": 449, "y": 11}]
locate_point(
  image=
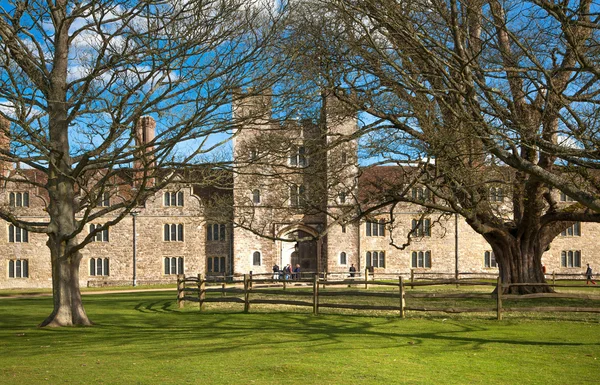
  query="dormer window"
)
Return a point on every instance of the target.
[
  {"x": 103, "y": 200},
  {"x": 496, "y": 194},
  {"x": 420, "y": 194},
  {"x": 18, "y": 199},
  {"x": 565, "y": 198},
  {"x": 172, "y": 198}
]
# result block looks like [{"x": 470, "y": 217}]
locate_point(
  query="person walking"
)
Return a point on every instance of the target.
[
  {"x": 588, "y": 275},
  {"x": 275, "y": 271}
]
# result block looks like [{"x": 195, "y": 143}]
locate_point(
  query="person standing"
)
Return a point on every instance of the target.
[
  {"x": 287, "y": 270},
  {"x": 352, "y": 271},
  {"x": 275, "y": 271},
  {"x": 297, "y": 272},
  {"x": 588, "y": 275}
]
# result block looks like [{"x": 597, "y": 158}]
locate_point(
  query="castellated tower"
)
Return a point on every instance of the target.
[
  {"x": 144, "y": 132},
  {"x": 286, "y": 177},
  {"x": 279, "y": 210}
]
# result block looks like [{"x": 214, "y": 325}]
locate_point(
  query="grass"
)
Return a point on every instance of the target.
[
  {"x": 48, "y": 291},
  {"x": 142, "y": 338}
]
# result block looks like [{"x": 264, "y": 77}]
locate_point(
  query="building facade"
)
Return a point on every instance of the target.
[{"x": 294, "y": 189}]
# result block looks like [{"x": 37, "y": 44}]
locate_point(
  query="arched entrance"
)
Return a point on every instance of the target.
[{"x": 301, "y": 249}]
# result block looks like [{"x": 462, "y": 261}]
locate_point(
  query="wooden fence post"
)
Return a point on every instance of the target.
[
  {"x": 250, "y": 280},
  {"x": 201, "y": 291},
  {"x": 402, "y": 303},
  {"x": 553, "y": 278},
  {"x": 180, "y": 290},
  {"x": 412, "y": 278},
  {"x": 366, "y": 278},
  {"x": 246, "y": 293},
  {"x": 223, "y": 294},
  {"x": 499, "y": 290},
  {"x": 316, "y": 294}
]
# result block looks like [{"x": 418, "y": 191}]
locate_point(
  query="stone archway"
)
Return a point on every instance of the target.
[{"x": 302, "y": 247}]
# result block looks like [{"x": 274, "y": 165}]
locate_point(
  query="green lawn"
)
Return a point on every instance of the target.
[{"x": 142, "y": 338}]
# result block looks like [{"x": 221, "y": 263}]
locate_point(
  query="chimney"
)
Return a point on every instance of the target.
[
  {"x": 143, "y": 154},
  {"x": 6, "y": 163}
]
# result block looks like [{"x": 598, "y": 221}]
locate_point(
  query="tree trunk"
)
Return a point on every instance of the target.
[
  {"x": 520, "y": 261},
  {"x": 68, "y": 308}
]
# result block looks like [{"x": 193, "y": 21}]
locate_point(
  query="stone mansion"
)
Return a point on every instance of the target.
[{"x": 278, "y": 209}]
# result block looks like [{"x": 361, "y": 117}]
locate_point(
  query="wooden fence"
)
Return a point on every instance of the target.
[{"x": 233, "y": 290}]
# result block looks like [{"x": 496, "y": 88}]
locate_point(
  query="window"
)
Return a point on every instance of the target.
[
  {"x": 343, "y": 228},
  {"x": 343, "y": 259},
  {"x": 297, "y": 196},
  {"x": 496, "y": 194},
  {"x": 173, "y": 265},
  {"x": 173, "y": 198},
  {"x": 342, "y": 197},
  {"x": 420, "y": 194},
  {"x": 256, "y": 196},
  {"x": 375, "y": 228},
  {"x": 18, "y": 199},
  {"x": 215, "y": 232},
  {"x": 256, "y": 258},
  {"x": 101, "y": 236},
  {"x": 18, "y": 268},
  {"x": 298, "y": 156},
  {"x": 17, "y": 234},
  {"x": 570, "y": 258},
  {"x": 573, "y": 231},
  {"x": 99, "y": 267},
  {"x": 565, "y": 198},
  {"x": 173, "y": 232},
  {"x": 215, "y": 264},
  {"x": 421, "y": 259},
  {"x": 103, "y": 200},
  {"x": 489, "y": 259},
  {"x": 344, "y": 158},
  {"x": 253, "y": 154},
  {"x": 376, "y": 259},
  {"x": 421, "y": 227}
]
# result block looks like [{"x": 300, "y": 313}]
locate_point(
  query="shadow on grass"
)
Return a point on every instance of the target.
[{"x": 150, "y": 323}]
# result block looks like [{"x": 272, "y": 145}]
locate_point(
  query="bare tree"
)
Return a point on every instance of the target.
[
  {"x": 471, "y": 98},
  {"x": 77, "y": 79}
]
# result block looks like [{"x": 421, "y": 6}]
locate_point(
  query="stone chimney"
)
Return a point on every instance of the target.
[
  {"x": 5, "y": 163},
  {"x": 145, "y": 129}
]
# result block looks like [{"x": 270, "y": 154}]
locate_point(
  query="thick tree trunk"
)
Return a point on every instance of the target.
[
  {"x": 520, "y": 261},
  {"x": 68, "y": 308}
]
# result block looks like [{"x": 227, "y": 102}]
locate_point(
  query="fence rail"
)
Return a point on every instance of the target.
[{"x": 194, "y": 289}]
